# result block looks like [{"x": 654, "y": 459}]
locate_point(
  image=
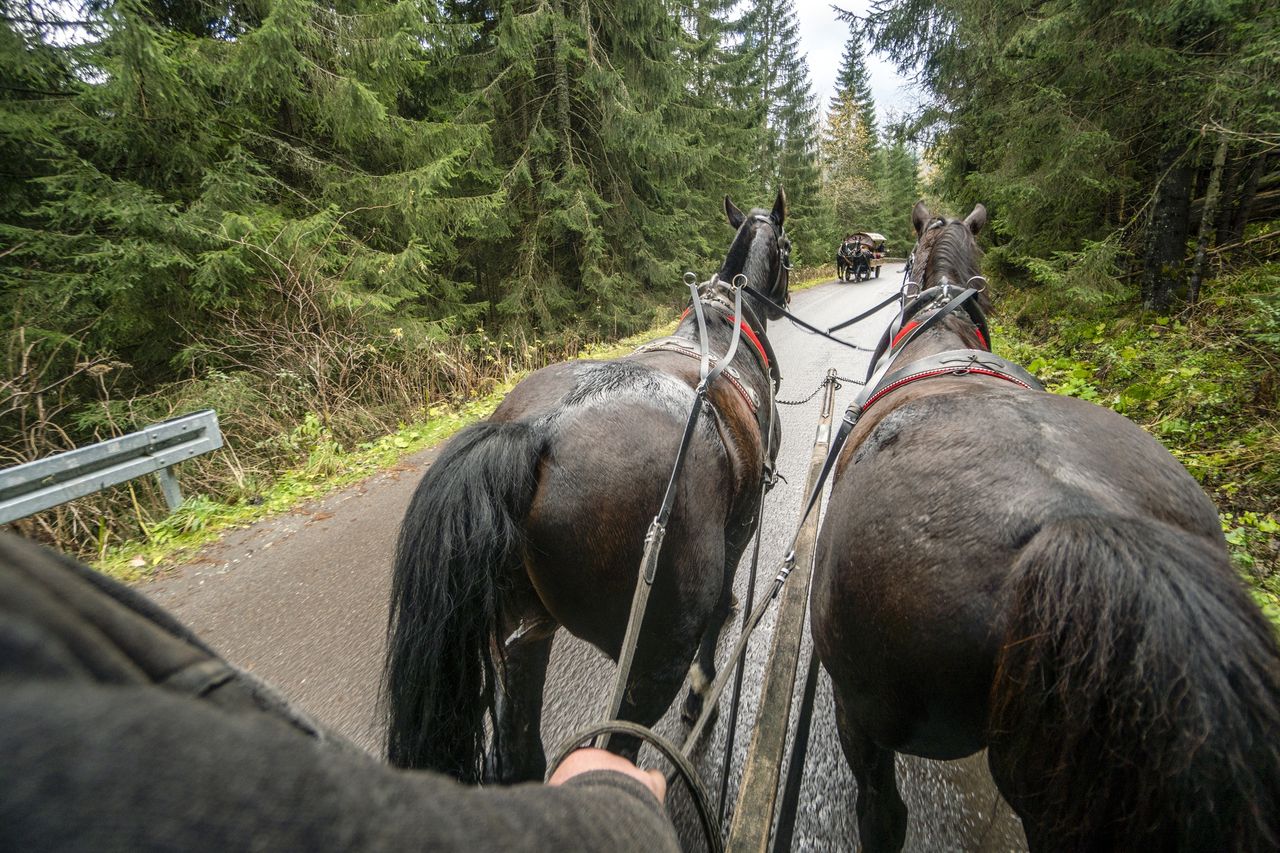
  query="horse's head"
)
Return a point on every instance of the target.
[
  {"x": 947, "y": 253},
  {"x": 761, "y": 251},
  {"x": 945, "y": 261}
]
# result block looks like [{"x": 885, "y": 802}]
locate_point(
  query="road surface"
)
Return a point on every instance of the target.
[{"x": 300, "y": 600}]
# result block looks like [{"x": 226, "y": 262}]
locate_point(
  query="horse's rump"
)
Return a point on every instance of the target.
[
  {"x": 612, "y": 444},
  {"x": 1137, "y": 695}
]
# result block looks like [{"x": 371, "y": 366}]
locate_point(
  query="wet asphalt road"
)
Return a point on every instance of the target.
[{"x": 301, "y": 600}]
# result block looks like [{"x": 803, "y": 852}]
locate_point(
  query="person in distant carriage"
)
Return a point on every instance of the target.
[{"x": 861, "y": 262}]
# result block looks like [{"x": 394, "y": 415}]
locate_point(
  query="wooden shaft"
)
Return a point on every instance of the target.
[{"x": 757, "y": 797}]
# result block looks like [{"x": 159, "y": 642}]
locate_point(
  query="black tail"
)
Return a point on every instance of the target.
[
  {"x": 1137, "y": 698},
  {"x": 459, "y": 541}
]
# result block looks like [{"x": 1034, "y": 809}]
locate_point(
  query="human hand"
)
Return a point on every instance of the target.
[{"x": 589, "y": 759}]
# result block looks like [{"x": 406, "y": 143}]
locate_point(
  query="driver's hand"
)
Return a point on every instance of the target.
[{"x": 589, "y": 759}]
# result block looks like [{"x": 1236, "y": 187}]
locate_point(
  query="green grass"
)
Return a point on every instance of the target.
[{"x": 329, "y": 466}]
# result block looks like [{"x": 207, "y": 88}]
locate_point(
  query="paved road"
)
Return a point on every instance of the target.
[{"x": 301, "y": 600}]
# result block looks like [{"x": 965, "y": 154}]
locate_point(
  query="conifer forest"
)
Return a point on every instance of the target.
[{"x": 328, "y": 219}]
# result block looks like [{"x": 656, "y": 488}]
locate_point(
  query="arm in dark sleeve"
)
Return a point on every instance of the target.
[{"x": 88, "y": 766}]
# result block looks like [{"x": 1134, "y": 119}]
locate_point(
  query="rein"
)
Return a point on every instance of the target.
[
  {"x": 709, "y": 370},
  {"x": 658, "y": 527},
  {"x": 764, "y": 300},
  {"x": 860, "y": 402}
]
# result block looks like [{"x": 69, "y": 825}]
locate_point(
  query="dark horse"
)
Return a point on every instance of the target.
[
  {"x": 537, "y": 519},
  {"x": 1006, "y": 568}
]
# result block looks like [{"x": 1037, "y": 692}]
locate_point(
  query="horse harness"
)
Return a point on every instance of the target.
[
  {"x": 963, "y": 362},
  {"x": 882, "y": 379},
  {"x": 683, "y": 346}
]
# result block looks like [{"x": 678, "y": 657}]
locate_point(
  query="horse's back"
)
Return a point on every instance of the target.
[{"x": 930, "y": 512}]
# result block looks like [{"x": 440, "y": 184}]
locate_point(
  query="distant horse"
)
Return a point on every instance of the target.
[
  {"x": 1032, "y": 573},
  {"x": 537, "y": 519}
]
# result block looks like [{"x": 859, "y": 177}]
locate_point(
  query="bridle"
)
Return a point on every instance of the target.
[
  {"x": 784, "y": 258},
  {"x": 932, "y": 300},
  {"x": 907, "y": 281}
]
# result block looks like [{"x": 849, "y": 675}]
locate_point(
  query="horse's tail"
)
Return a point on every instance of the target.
[
  {"x": 460, "y": 539},
  {"x": 1137, "y": 693}
]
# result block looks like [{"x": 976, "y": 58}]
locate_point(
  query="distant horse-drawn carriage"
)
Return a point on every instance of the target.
[{"x": 860, "y": 256}]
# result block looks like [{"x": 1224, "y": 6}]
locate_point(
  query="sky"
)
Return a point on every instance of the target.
[{"x": 822, "y": 38}]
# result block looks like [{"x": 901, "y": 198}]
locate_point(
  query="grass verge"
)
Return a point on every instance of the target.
[{"x": 329, "y": 466}]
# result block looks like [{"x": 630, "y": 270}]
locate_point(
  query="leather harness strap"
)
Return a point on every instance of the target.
[
  {"x": 749, "y": 332},
  {"x": 680, "y": 346},
  {"x": 960, "y": 362}
]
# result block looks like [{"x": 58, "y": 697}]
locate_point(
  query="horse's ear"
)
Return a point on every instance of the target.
[
  {"x": 977, "y": 218},
  {"x": 920, "y": 216},
  {"x": 736, "y": 216},
  {"x": 779, "y": 212}
]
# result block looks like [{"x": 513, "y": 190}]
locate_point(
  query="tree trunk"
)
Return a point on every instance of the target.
[
  {"x": 1246, "y": 198},
  {"x": 1167, "y": 230},
  {"x": 563, "y": 129},
  {"x": 1206, "y": 219},
  {"x": 1229, "y": 192}
]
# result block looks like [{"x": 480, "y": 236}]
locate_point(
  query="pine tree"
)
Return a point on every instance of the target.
[
  {"x": 1027, "y": 117},
  {"x": 189, "y": 168},
  {"x": 853, "y": 82},
  {"x": 605, "y": 145},
  {"x": 897, "y": 188},
  {"x": 780, "y": 97},
  {"x": 848, "y": 167}
]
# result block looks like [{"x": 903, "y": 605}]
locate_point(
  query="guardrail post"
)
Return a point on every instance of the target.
[{"x": 169, "y": 485}]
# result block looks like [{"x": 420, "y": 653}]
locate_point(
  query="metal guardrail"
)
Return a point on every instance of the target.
[{"x": 45, "y": 483}]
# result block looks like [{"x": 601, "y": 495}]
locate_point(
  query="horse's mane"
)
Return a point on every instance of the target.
[
  {"x": 745, "y": 256},
  {"x": 955, "y": 256}
]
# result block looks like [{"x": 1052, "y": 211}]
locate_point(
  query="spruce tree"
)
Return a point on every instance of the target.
[
  {"x": 599, "y": 149},
  {"x": 848, "y": 168},
  {"x": 853, "y": 82},
  {"x": 780, "y": 97},
  {"x": 1027, "y": 117},
  {"x": 897, "y": 189},
  {"x": 180, "y": 170}
]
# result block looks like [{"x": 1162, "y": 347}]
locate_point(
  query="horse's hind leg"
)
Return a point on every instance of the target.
[
  {"x": 517, "y": 754},
  {"x": 882, "y": 816},
  {"x": 650, "y": 691},
  {"x": 703, "y": 670}
]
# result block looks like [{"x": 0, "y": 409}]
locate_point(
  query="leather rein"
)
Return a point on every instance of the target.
[{"x": 711, "y": 367}]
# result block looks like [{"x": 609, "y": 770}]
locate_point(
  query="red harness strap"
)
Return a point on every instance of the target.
[
  {"x": 749, "y": 332},
  {"x": 902, "y": 333},
  {"x": 751, "y": 335},
  {"x": 940, "y": 371},
  {"x": 906, "y": 330}
]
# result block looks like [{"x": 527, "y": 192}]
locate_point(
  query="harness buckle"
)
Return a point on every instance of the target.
[{"x": 788, "y": 563}]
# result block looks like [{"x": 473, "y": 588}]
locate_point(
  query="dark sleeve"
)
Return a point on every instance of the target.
[{"x": 99, "y": 767}]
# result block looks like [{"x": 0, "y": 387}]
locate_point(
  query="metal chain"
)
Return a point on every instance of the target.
[{"x": 823, "y": 384}]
